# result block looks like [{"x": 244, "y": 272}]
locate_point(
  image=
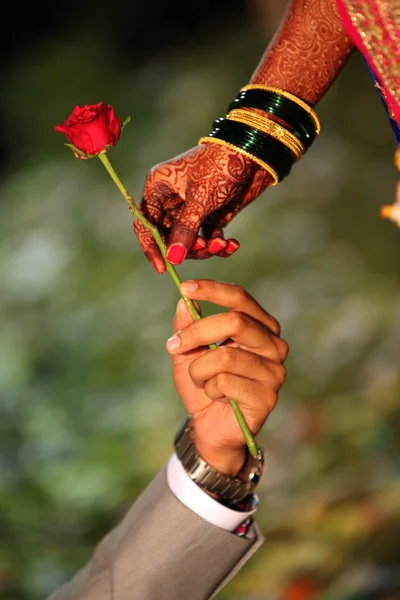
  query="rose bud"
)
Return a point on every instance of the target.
[{"x": 91, "y": 129}]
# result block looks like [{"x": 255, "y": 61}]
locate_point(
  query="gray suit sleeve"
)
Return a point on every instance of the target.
[{"x": 161, "y": 550}]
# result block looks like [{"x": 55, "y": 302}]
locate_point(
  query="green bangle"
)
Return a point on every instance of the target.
[
  {"x": 285, "y": 103},
  {"x": 266, "y": 148},
  {"x": 285, "y": 109}
]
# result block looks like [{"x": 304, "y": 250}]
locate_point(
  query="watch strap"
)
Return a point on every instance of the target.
[{"x": 231, "y": 490}]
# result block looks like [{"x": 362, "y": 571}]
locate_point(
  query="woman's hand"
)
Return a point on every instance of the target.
[
  {"x": 198, "y": 192},
  {"x": 247, "y": 367}
]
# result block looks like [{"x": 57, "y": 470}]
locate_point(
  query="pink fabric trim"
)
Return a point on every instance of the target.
[{"x": 357, "y": 39}]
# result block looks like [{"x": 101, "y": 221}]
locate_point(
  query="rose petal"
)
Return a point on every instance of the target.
[
  {"x": 92, "y": 128},
  {"x": 115, "y": 127},
  {"x": 77, "y": 110},
  {"x": 62, "y": 128}
]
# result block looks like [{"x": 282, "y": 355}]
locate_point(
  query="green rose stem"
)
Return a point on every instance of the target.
[{"x": 177, "y": 280}]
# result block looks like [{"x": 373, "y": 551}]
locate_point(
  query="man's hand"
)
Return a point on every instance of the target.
[
  {"x": 192, "y": 197},
  {"x": 247, "y": 367}
]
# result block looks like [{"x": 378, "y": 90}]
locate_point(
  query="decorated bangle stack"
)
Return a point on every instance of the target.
[{"x": 275, "y": 140}]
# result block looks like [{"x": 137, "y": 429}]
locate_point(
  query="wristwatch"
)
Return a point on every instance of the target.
[{"x": 230, "y": 490}]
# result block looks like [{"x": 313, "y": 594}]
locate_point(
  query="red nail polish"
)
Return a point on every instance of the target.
[
  {"x": 232, "y": 247},
  {"x": 176, "y": 254},
  {"x": 216, "y": 246},
  {"x": 199, "y": 245}
]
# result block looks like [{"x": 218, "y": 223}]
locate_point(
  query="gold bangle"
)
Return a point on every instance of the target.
[
  {"x": 261, "y": 163},
  {"x": 268, "y": 88},
  {"x": 270, "y": 127}
]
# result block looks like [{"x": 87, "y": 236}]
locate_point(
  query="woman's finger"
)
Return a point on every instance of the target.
[
  {"x": 201, "y": 254},
  {"x": 216, "y": 242},
  {"x": 227, "y": 359},
  {"x": 231, "y": 296},
  {"x": 149, "y": 247},
  {"x": 186, "y": 227},
  {"x": 240, "y": 327},
  {"x": 231, "y": 247},
  {"x": 215, "y": 238}
]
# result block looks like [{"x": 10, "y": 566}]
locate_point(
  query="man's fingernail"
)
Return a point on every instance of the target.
[
  {"x": 174, "y": 342},
  {"x": 216, "y": 246},
  {"x": 176, "y": 253},
  {"x": 187, "y": 287},
  {"x": 179, "y": 308},
  {"x": 232, "y": 247}
]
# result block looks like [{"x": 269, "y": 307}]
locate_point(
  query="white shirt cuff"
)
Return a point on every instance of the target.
[{"x": 192, "y": 496}]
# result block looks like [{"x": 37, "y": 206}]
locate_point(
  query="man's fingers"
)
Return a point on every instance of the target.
[
  {"x": 227, "y": 359},
  {"x": 182, "y": 317},
  {"x": 149, "y": 247},
  {"x": 231, "y": 296},
  {"x": 240, "y": 327},
  {"x": 250, "y": 395}
]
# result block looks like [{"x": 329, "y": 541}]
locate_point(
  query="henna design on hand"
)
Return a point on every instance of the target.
[
  {"x": 308, "y": 51},
  {"x": 201, "y": 190},
  {"x": 194, "y": 196}
]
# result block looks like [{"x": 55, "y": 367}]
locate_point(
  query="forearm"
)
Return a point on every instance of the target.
[
  {"x": 161, "y": 550},
  {"x": 308, "y": 51}
]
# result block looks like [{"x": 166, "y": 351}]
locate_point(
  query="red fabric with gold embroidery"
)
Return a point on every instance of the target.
[{"x": 374, "y": 26}]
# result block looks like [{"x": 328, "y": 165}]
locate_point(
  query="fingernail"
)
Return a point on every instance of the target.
[
  {"x": 216, "y": 246},
  {"x": 187, "y": 287},
  {"x": 199, "y": 244},
  {"x": 179, "y": 308},
  {"x": 157, "y": 264},
  {"x": 174, "y": 342},
  {"x": 232, "y": 247},
  {"x": 176, "y": 253},
  {"x": 160, "y": 269}
]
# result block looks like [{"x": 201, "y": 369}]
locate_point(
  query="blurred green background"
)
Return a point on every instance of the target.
[{"x": 87, "y": 405}]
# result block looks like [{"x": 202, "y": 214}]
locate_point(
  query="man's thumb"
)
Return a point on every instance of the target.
[{"x": 182, "y": 317}]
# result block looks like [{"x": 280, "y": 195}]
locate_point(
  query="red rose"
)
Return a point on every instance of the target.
[{"x": 91, "y": 129}]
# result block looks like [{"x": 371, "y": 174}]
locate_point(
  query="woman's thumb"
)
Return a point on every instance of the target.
[{"x": 185, "y": 230}]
